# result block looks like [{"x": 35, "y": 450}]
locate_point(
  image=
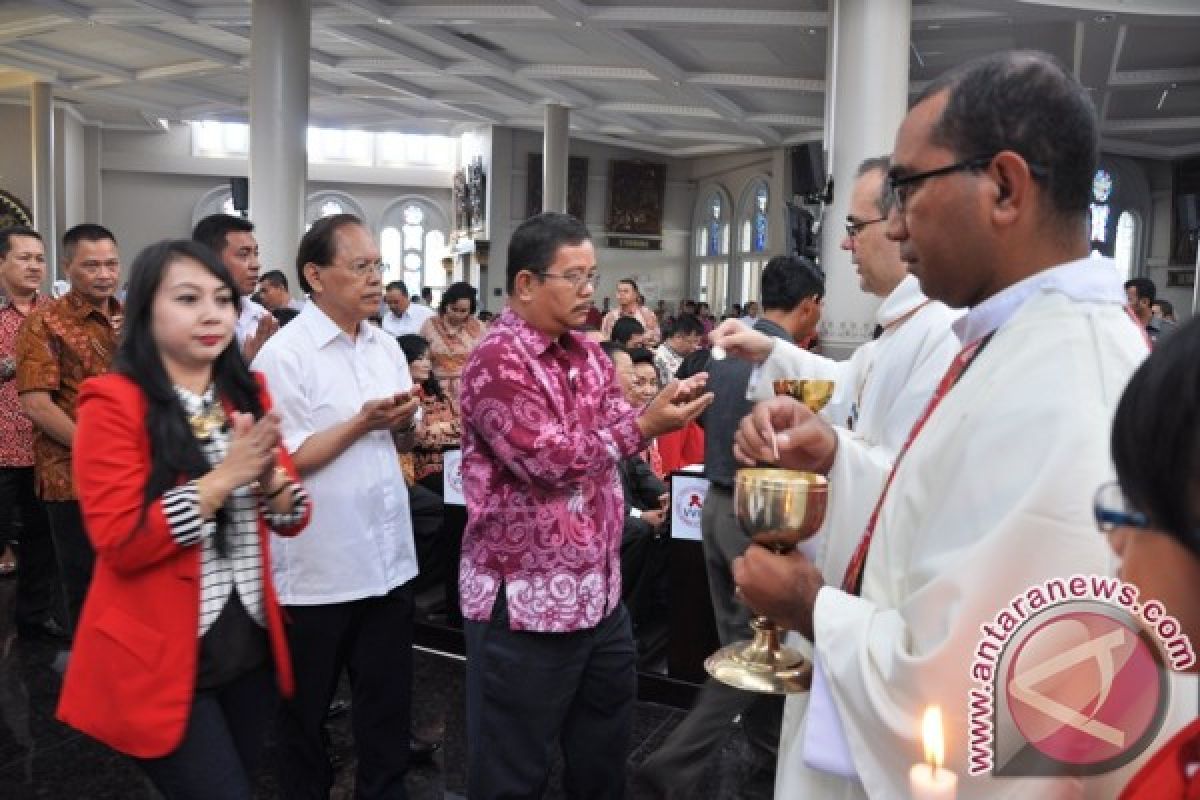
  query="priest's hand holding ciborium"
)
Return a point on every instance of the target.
[{"x": 777, "y": 507}]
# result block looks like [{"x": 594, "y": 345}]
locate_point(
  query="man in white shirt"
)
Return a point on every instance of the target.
[
  {"x": 232, "y": 239},
  {"x": 403, "y": 315},
  {"x": 991, "y": 493},
  {"x": 342, "y": 388}
]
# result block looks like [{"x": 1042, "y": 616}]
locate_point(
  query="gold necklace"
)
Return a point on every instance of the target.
[{"x": 208, "y": 421}]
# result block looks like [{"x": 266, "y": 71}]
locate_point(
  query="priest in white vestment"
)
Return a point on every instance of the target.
[{"x": 990, "y": 177}]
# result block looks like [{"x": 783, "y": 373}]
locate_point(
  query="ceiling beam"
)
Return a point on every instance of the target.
[
  {"x": 57, "y": 57},
  {"x": 362, "y": 35},
  {"x": 38, "y": 71},
  {"x": 1150, "y": 125},
  {"x": 586, "y": 72},
  {"x": 169, "y": 7},
  {"x": 777, "y": 82},
  {"x": 670, "y": 16},
  {"x": 65, "y": 8},
  {"x": 187, "y": 45},
  {"x": 1153, "y": 77}
]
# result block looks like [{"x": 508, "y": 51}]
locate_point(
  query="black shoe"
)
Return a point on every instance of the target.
[
  {"x": 338, "y": 708},
  {"x": 421, "y": 751},
  {"x": 48, "y": 630}
]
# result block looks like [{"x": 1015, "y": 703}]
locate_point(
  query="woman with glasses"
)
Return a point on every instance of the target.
[
  {"x": 1152, "y": 517},
  {"x": 453, "y": 334},
  {"x": 180, "y": 653}
]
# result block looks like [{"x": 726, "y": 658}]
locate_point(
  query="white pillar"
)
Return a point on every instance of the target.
[
  {"x": 41, "y": 133},
  {"x": 867, "y": 86},
  {"x": 555, "y": 140},
  {"x": 279, "y": 63},
  {"x": 93, "y": 196}
]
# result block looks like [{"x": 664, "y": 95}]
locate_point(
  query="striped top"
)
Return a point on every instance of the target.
[{"x": 241, "y": 566}]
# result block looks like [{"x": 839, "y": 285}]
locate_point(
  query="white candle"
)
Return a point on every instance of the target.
[{"x": 930, "y": 780}]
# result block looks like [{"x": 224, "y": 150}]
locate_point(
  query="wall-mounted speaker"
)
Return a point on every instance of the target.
[
  {"x": 240, "y": 189},
  {"x": 808, "y": 169}
]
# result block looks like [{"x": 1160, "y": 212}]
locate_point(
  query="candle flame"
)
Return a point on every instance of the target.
[{"x": 935, "y": 743}]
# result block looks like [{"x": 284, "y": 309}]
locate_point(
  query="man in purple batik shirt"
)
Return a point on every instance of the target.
[{"x": 550, "y": 652}]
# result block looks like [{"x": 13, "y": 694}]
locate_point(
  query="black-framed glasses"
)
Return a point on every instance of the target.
[
  {"x": 854, "y": 227},
  {"x": 901, "y": 186},
  {"x": 1113, "y": 510},
  {"x": 578, "y": 279}
]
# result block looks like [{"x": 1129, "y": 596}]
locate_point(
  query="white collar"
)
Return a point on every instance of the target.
[
  {"x": 1092, "y": 279},
  {"x": 906, "y": 298},
  {"x": 324, "y": 330}
]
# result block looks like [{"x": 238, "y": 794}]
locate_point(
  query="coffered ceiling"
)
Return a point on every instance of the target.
[{"x": 683, "y": 77}]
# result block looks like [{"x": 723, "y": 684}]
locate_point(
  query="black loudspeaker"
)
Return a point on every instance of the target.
[
  {"x": 1189, "y": 212},
  {"x": 808, "y": 169},
  {"x": 240, "y": 189}
]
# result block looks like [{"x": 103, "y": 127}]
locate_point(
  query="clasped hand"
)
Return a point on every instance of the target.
[{"x": 252, "y": 448}]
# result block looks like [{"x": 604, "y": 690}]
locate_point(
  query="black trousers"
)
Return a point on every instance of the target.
[
  {"x": 527, "y": 692},
  {"x": 221, "y": 746},
  {"x": 447, "y": 548},
  {"x": 37, "y": 577},
  {"x": 372, "y": 639},
  {"x": 76, "y": 557},
  {"x": 677, "y": 766}
]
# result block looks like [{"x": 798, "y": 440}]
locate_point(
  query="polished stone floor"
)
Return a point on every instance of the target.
[{"x": 41, "y": 758}]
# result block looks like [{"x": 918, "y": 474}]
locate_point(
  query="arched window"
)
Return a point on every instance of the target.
[
  {"x": 327, "y": 203},
  {"x": 1126, "y": 245},
  {"x": 712, "y": 233},
  {"x": 752, "y": 238},
  {"x": 217, "y": 200},
  {"x": 413, "y": 244}
]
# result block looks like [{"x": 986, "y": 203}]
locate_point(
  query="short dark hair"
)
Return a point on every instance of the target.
[
  {"x": 84, "y": 232},
  {"x": 460, "y": 290},
  {"x": 212, "y": 230},
  {"x": 880, "y": 164},
  {"x": 1156, "y": 437},
  {"x": 393, "y": 285},
  {"x": 1144, "y": 287},
  {"x": 685, "y": 324},
  {"x": 284, "y": 314},
  {"x": 7, "y": 234},
  {"x": 611, "y": 348},
  {"x": 624, "y": 328},
  {"x": 787, "y": 280},
  {"x": 536, "y": 241},
  {"x": 1026, "y": 102},
  {"x": 641, "y": 355},
  {"x": 693, "y": 363},
  {"x": 275, "y": 277},
  {"x": 1164, "y": 305},
  {"x": 319, "y": 245}
]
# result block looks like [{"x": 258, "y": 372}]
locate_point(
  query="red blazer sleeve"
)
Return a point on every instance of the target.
[{"x": 111, "y": 465}]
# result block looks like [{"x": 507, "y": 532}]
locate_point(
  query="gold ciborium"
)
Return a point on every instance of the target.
[
  {"x": 777, "y": 508},
  {"x": 813, "y": 393}
]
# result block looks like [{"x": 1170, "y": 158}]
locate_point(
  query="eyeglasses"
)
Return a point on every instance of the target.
[
  {"x": 901, "y": 187},
  {"x": 363, "y": 268},
  {"x": 576, "y": 278},
  {"x": 854, "y": 227},
  {"x": 1113, "y": 510}
]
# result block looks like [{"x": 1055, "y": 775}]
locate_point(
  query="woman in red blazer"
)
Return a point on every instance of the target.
[
  {"x": 180, "y": 477},
  {"x": 1152, "y": 517}
]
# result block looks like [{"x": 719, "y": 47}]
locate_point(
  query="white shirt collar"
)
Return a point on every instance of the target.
[
  {"x": 1092, "y": 279},
  {"x": 324, "y": 330}
]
